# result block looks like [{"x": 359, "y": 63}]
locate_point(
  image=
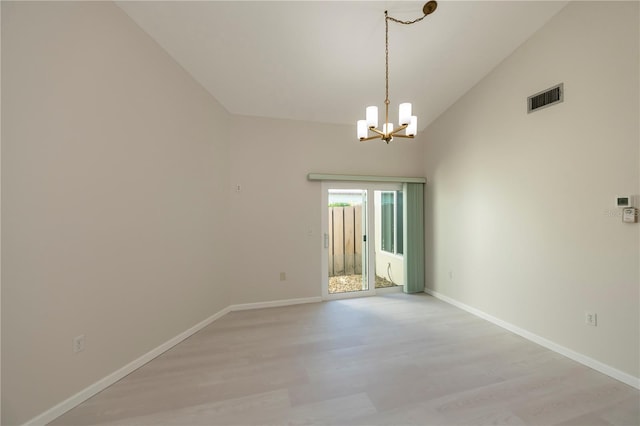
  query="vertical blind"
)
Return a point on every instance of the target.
[{"x": 414, "y": 237}]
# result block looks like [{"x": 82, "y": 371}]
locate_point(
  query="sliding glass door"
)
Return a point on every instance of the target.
[{"x": 362, "y": 238}]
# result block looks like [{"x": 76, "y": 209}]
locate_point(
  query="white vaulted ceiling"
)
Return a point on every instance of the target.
[{"x": 324, "y": 61}]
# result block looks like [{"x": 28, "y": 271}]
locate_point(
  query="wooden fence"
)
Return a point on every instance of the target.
[{"x": 345, "y": 240}]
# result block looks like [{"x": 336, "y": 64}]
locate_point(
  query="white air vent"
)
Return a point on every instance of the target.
[{"x": 551, "y": 96}]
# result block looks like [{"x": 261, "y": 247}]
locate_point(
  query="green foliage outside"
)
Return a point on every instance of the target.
[{"x": 339, "y": 204}]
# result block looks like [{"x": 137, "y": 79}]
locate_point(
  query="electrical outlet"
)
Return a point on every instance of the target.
[
  {"x": 283, "y": 276},
  {"x": 78, "y": 344},
  {"x": 591, "y": 318}
]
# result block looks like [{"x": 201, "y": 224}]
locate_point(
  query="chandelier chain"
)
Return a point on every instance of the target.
[
  {"x": 406, "y": 22},
  {"x": 386, "y": 57},
  {"x": 388, "y": 18}
]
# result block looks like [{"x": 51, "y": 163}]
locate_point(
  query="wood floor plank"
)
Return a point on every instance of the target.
[{"x": 388, "y": 360}]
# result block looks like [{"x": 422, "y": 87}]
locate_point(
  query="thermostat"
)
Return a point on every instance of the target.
[
  {"x": 630, "y": 215},
  {"x": 624, "y": 201}
]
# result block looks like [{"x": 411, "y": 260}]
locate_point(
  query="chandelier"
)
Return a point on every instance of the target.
[{"x": 408, "y": 122}]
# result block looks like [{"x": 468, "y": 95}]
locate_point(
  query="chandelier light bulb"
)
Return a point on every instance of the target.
[
  {"x": 404, "y": 113},
  {"x": 387, "y": 128},
  {"x": 412, "y": 128},
  {"x": 362, "y": 129},
  {"x": 372, "y": 116}
]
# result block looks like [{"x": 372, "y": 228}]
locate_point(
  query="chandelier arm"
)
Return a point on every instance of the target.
[
  {"x": 374, "y": 130},
  {"x": 404, "y": 126},
  {"x": 370, "y": 138},
  {"x": 404, "y": 136}
]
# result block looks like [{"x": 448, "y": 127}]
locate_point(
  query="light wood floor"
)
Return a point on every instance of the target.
[{"x": 387, "y": 360}]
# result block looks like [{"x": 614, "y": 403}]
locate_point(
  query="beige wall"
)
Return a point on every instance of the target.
[
  {"x": 517, "y": 205},
  {"x": 277, "y": 206},
  {"x": 114, "y": 186}
]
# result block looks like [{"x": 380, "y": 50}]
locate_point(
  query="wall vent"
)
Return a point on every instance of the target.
[{"x": 546, "y": 98}]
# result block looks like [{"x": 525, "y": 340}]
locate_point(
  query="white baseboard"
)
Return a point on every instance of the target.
[
  {"x": 576, "y": 356},
  {"x": 75, "y": 400}
]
